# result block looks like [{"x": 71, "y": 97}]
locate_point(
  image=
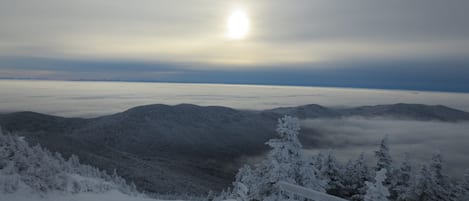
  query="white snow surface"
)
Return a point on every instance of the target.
[{"x": 112, "y": 195}]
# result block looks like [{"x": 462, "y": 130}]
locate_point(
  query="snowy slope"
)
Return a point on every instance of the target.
[
  {"x": 186, "y": 148},
  {"x": 34, "y": 173},
  {"x": 57, "y": 196}
]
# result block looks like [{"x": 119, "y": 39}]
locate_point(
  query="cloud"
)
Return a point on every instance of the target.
[
  {"x": 420, "y": 139},
  {"x": 430, "y": 74},
  {"x": 282, "y": 32},
  {"x": 364, "y": 20},
  {"x": 418, "y": 45},
  {"x": 85, "y": 99}
]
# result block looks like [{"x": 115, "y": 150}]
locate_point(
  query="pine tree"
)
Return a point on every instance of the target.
[
  {"x": 308, "y": 176},
  {"x": 245, "y": 180},
  {"x": 9, "y": 178},
  {"x": 283, "y": 157},
  {"x": 377, "y": 191},
  {"x": 285, "y": 162},
  {"x": 463, "y": 194},
  {"x": 332, "y": 172},
  {"x": 384, "y": 161},
  {"x": 402, "y": 180},
  {"x": 440, "y": 182},
  {"x": 41, "y": 171},
  {"x": 383, "y": 156},
  {"x": 355, "y": 175},
  {"x": 429, "y": 184},
  {"x": 318, "y": 162},
  {"x": 421, "y": 189},
  {"x": 349, "y": 179}
]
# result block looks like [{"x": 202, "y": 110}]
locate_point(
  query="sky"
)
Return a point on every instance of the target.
[{"x": 402, "y": 44}]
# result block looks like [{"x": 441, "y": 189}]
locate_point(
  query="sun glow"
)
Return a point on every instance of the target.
[{"x": 238, "y": 25}]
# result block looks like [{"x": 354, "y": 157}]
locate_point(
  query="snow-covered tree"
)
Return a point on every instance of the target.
[
  {"x": 285, "y": 162},
  {"x": 349, "y": 182},
  {"x": 9, "y": 178},
  {"x": 463, "y": 191},
  {"x": 377, "y": 191},
  {"x": 245, "y": 179},
  {"x": 429, "y": 184},
  {"x": 333, "y": 174},
  {"x": 421, "y": 188},
  {"x": 355, "y": 175},
  {"x": 384, "y": 161},
  {"x": 41, "y": 171},
  {"x": 308, "y": 176},
  {"x": 402, "y": 180},
  {"x": 383, "y": 156},
  {"x": 319, "y": 161},
  {"x": 440, "y": 182}
]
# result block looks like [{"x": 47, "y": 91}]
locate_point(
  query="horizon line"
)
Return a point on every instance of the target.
[{"x": 409, "y": 89}]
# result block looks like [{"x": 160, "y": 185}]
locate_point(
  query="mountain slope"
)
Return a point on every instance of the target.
[
  {"x": 409, "y": 111},
  {"x": 186, "y": 148},
  {"x": 37, "y": 171}
]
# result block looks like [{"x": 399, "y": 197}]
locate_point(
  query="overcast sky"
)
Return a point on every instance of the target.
[{"x": 416, "y": 44}]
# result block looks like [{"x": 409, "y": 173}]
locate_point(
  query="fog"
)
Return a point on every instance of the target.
[
  {"x": 350, "y": 136},
  {"x": 91, "y": 99}
]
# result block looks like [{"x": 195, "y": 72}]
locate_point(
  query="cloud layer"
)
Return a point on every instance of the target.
[
  {"x": 351, "y": 136},
  {"x": 334, "y": 43},
  {"x": 78, "y": 99}
]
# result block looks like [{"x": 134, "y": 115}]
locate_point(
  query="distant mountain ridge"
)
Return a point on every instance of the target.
[
  {"x": 399, "y": 110},
  {"x": 187, "y": 148}
]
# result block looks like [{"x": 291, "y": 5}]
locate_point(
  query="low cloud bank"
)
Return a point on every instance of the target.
[
  {"x": 92, "y": 99},
  {"x": 349, "y": 137}
]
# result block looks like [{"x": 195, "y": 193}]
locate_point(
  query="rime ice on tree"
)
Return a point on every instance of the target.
[
  {"x": 285, "y": 162},
  {"x": 377, "y": 191}
]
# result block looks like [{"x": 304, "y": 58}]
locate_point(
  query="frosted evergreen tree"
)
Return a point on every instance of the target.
[
  {"x": 318, "y": 162},
  {"x": 355, "y": 175},
  {"x": 377, "y": 191},
  {"x": 383, "y": 156},
  {"x": 440, "y": 182},
  {"x": 349, "y": 180},
  {"x": 384, "y": 160},
  {"x": 421, "y": 189},
  {"x": 463, "y": 194},
  {"x": 308, "y": 176},
  {"x": 9, "y": 178},
  {"x": 41, "y": 171},
  {"x": 428, "y": 185},
  {"x": 285, "y": 162},
  {"x": 402, "y": 180},
  {"x": 245, "y": 181},
  {"x": 224, "y": 195},
  {"x": 332, "y": 172}
]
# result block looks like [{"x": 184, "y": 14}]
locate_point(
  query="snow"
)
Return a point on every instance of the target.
[
  {"x": 308, "y": 193},
  {"x": 377, "y": 191},
  {"x": 112, "y": 195}
]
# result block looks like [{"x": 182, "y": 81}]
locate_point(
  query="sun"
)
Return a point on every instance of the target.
[{"x": 238, "y": 25}]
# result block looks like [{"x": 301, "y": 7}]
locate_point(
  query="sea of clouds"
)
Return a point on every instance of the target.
[
  {"x": 91, "y": 99},
  {"x": 349, "y": 137}
]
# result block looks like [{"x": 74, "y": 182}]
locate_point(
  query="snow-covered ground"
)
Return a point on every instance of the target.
[{"x": 113, "y": 195}]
